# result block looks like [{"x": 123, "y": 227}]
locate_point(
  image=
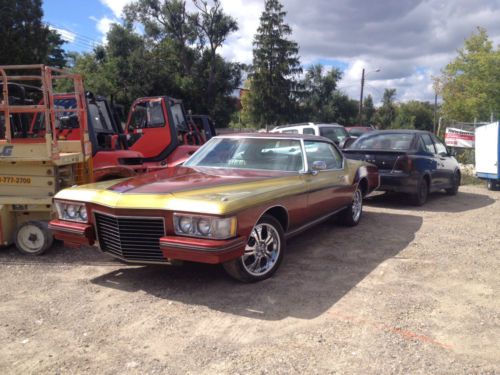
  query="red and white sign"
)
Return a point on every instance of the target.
[{"x": 459, "y": 138}]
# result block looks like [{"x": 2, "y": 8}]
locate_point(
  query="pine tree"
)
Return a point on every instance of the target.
[
  {"x": 275, "y": 65},
  {"x": 24, "y": 37}
]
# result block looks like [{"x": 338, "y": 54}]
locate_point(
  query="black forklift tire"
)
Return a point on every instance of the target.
[{"x": 33, "y": 237}]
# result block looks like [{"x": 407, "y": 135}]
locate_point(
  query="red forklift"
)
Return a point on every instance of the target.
[{"x": 156, "y": 135}]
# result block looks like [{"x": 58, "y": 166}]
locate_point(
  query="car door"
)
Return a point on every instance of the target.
[
  {"x": 328, "y": 189},
  {"x": 429, "y": 160},
  {"x": 446, "y": 163}
]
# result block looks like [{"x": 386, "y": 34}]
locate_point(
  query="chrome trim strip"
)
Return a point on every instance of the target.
[
  {"x": 312, "y": 223},
  {"x": 69, "y": 230},
  {"x": 201, "y": 248},
  {"x": 167, "y": 262}
]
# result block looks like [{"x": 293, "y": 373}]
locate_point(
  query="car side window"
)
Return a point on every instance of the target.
[
  {"x": 308, "y": 131},
  {"x": 440, "y": 147},
  {"x": 322, "y": 151},
  {"x": 429, "y": 145},
  {"x": 290, "y": 131}
]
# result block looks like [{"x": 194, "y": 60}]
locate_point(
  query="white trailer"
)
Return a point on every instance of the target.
[{"x": 488, "y": 154}]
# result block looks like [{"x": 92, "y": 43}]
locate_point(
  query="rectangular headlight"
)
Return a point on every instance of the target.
[
  {"x": 72, "y": 211},
  {"x": 205, "y": 226}
]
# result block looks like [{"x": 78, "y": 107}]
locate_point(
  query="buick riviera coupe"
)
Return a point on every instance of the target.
[{"x": 234, "y": 202}]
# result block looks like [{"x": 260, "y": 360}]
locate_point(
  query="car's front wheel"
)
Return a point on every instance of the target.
[
  {"x": 453, "y": 190},
  {"x": 263, "y": 253}
]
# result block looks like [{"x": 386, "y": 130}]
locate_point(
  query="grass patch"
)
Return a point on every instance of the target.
[{"x": 471, "y": 180}]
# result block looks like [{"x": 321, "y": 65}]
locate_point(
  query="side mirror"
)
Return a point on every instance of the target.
[{"x": 319, "y": 165}]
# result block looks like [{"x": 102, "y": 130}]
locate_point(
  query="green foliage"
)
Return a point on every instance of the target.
[
  {"x": 176, "y": 57},
  {"x": 318, "y": 95},
  {"x": 470, "y": 83},
  {"x": 368, "y": 111},
  {"x": 24, "y": 37},
  {"x": 275, "y": 65},
  {"x": 56, "y": 55},
  {"x": 415, "y": 115},
  {"x": 386, "y": 114}
]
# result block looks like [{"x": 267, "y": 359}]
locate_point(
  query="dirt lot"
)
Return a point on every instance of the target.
[{"x": 412, "y": 291}]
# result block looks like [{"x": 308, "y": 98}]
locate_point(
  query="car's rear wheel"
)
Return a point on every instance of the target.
[
  {"x": 263, "y": 252},
  {"x": 453, "y": 190},
  {"x": 352, "y": 214},
  {"x": 420, "y": 196}
]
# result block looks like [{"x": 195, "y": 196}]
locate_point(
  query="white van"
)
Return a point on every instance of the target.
[{"x": 336, "y": 132}]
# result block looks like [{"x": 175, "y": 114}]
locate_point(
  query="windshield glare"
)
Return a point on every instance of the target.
[
  {"x": 249, "y": 153},
  {"x": 384, "y": 141}
]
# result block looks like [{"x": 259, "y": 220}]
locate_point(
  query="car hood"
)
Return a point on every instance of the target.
[{"x": 205, "y": 190}]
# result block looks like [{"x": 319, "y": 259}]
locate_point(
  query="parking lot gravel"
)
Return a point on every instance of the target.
[{"x": 409, "y": 291}]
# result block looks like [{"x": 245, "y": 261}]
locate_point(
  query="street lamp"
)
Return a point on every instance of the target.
[{"x": 361, "y": 96}]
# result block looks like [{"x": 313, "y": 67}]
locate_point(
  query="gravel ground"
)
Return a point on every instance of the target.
[{"x": 410, "y": 290}]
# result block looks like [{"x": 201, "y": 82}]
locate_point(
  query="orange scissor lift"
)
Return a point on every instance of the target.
[{"x": 36, "y": 161}]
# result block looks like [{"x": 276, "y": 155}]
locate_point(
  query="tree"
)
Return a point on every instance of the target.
[
  {"x": 415, "y": 114},
  {"x": 318, "y": 93},
  {"x": 167, "y": 20},
  {"x": 470, "y": 84},
  {"x": 387, "y": 112},
  {"x": 368, "y": 110},
  {"x": 183, "y": 50},
  {"x": 56, "y": 55},
  {"x": 214, "y": 26},
  {"x": 24, "y": 37},
  {"x": 275, "y": 63}
]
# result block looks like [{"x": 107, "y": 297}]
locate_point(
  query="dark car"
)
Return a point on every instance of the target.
[{"x": 409, "y": 161}]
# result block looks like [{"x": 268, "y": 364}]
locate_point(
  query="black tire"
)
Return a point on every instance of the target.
[
  {"x": 456, "y": 183},
  {"x": 33, "y": 238},
  {"x": 240, "y": 268},
  {"x": 352, "y": 215},
  {"x": 420, "y": 196},
  {"x": 492, "y": 185}
]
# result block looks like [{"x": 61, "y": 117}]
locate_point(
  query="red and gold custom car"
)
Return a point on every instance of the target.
[{"x": 235, "y": 201}]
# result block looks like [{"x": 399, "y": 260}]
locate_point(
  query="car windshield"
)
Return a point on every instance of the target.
[
  {"x": 336, "y": 134},
  {"x": 384, "y": 141},
  {"x": 249, "y": 153}
]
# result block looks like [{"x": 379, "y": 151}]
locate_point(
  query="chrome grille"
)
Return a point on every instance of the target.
[{"x": 131, "y": 238}]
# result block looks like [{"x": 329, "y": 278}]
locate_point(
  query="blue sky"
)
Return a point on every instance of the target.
[{"x": 79, "y": 23}]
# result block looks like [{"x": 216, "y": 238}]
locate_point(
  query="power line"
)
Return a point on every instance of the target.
[{"x": 79, "y": 40}]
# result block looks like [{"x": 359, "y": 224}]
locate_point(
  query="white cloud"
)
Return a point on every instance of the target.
[
  {"x": 116, "y": 6},
  {"x": 409, "y": 40},
  {"x": 103, "y": 25},
  {"x": 66, "y": 35}
]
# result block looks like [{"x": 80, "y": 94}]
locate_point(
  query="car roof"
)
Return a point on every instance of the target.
[
  {"x": 306, "y": 137},
  {"x": 399, "y": 131},
  {"x": 307, "y": 124}
]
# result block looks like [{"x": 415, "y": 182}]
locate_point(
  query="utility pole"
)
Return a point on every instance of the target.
[
  {"x": 435, "y": 111},
  {"x": 361, "y": 96}
]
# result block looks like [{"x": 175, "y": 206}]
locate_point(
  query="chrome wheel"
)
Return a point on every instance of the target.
[
  {"x": 357, "y": 205},
  {"x": 262, "y": 250}
]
